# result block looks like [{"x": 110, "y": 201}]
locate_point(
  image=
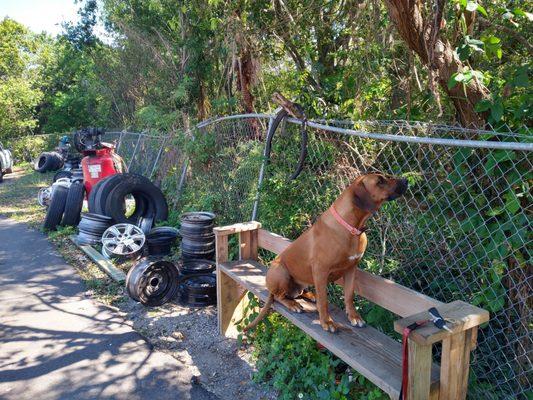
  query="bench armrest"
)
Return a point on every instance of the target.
[
  {"x": 236, "y": 228},
  {"x": 460, "y": 316}
]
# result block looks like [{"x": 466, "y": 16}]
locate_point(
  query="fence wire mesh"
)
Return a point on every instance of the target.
[{"x": 462, "y": 231}]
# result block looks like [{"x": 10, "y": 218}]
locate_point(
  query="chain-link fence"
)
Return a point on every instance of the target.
[{"x": 462, "y": 231}]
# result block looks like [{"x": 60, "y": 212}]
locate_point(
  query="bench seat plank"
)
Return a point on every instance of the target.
[{"x": 367, "y": 350}]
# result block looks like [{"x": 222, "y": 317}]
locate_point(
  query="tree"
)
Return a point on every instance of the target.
[{"x": 422, "y": 35}]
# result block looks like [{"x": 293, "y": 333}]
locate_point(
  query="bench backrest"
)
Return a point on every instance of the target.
[{"x": 394, "y": 297}]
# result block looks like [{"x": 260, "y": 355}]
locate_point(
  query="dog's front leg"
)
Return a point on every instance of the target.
[
  {"x": 320, "y": 279},
  {"x": 349, "y": 291}
]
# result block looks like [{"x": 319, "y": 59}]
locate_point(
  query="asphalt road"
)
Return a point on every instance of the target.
[{"x": 55, "y": 343}]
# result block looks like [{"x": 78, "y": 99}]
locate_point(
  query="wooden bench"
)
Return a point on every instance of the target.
[{"x": 367, "y": 350}]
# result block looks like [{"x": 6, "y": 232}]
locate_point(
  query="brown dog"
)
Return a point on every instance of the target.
[{"x": 330, "y": 250}]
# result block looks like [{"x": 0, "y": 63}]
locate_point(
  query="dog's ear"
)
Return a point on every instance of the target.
[{"x": 362, "y": 198}]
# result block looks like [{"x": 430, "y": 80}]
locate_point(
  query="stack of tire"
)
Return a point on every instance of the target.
[
  {"x": 197, "y": 283},
  {"x": 197, "y": 237},
  {"x": 65, "y": 206},
  {"x": 91, "y": 228},
  {"x": 108, "y": 197},
  {"x": 48, "y": 161}
]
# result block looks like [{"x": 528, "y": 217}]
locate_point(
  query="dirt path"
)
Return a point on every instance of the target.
[
  {"x": 58, "y": 344},
  {"x": 187, "y": 334}
]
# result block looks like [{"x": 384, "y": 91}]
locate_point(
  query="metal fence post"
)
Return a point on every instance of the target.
[
  {"x": 119, "y": 141},
  {"x": 163, "y": 142},
  {"x": 261, "y": 175},
  {"x": 134, "y": 151}
]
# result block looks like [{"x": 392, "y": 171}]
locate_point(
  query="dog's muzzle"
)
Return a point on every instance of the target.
[{"x": 401, "y": 188}]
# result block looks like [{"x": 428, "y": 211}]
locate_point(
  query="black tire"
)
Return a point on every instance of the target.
[
  {"x": 55, "y": 210},
  {"x": 57, "y": 160},
  {"x": 45, "y": 162},
  {"x": 62, "y": 174},
  {"x": 91, "y": 228},
  {"x": 196, "y": 267},
  {"x": 198, "y": 290},
  {"x": 74, "y": 204},
  {"x": 107, "y": 186},
  {"x": 140, "y": 188},
  {"x": 98, "y": 200},
  {"x": 94, "y": 222},
  {"x": 94, "y": 191},
  {"x": 152, "y": 282}
]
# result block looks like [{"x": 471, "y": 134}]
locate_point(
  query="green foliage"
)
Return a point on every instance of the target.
[
  {"x": 28, "y": 148},
  {"x": 295, "y": 365}
]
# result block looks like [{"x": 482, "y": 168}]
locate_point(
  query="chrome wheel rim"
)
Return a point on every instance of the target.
[
  {"x": 43, "y": 197},
  {"x": 123, "y": 239}
]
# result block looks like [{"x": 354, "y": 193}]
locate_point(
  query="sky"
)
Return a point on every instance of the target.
[{"x": 40, "y": 15}]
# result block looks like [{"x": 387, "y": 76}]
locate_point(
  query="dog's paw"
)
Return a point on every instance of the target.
[
  {"x": 358, "y": 322},
  {"x": 329, "y": 326},
  {"x": 292, "y": 305}
]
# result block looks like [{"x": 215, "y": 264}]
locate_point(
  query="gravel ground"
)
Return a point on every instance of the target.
[{"x": 190, "y": 335}]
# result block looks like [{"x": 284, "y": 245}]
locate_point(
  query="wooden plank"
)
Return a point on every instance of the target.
[
  {"x": 103, "y": 263},
  {"x": 455, "y": 364},
  {"x": 248, "y": 245},
  {"x": 392, "y": 296},
  {"x": 231, "y": 303},
  {"x": 465, "y": 367},
  {"x": 461, "y": 316},
  {"x": 272, "y": 242},
  {"x": 388, "y": 294},
  {"x": 236, "y": 228},
  {"x": 419, "y": 384},
  {"x": 372, "y": 353}
]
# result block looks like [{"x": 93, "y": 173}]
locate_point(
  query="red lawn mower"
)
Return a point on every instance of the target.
[
  {"x": 100, "y": 158},
  {"x": 65, "y": 196}
]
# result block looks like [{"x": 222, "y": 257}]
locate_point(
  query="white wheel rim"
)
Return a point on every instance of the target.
[
  {"x": 123, "y": 239},
  {"x": 43, "y": 197}
]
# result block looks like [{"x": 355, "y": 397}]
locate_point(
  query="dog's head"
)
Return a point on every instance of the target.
[{"x": 371, "y": 190}]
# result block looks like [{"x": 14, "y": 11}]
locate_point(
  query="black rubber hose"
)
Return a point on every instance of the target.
[{"x": 280, "y": 116}]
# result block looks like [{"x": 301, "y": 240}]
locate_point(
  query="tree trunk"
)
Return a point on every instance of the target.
[
  {"x": 438, "y": 56},
  {"x": 245, "y": 76}
]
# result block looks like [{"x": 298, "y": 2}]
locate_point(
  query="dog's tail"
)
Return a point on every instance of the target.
[{"x": 262, "y": 314}]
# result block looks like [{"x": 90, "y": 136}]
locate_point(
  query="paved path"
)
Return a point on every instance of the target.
[{"x": 57, "y": 344}]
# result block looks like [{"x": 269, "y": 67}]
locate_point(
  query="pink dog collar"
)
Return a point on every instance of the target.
[{"x": 352, "y": 229}]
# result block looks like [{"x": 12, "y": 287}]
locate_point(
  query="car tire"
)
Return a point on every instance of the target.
[
  {"x": 62, "y": 174},
  {"x": 55, "y": 210},
  {"x": 74, "y": 204},
  {"x": 139, "y": 187}
]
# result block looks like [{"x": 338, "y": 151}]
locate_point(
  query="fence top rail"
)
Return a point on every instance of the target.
[
  {"x": 484, "y": 144},
  {"x": 324, "y": 125},
  {"x": 228, "y": 117}
]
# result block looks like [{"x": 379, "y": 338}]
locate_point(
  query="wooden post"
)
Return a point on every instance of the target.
[
  {"x": 420, "y": 362},
  {"x": 248, "y": 245},
  {"x": 455, "y": 365},
  {"x": 231, "y": 299}
]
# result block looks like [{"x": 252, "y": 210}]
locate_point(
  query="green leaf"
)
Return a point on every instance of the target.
[
  {"x": 455, "y": 79},
  {"x": 496, "y": 111},
  {"x": 521, "y": 78},
  {"x": 482, "y": 10},
  {"x": 483, "y": 105},
  {"x": 512, "y": 203}
]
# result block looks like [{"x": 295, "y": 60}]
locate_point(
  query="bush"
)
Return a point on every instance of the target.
[{"x": 27, "y": 148}]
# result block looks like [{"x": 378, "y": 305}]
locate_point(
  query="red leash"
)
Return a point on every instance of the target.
[
  {"x": 439, "y": 322},
  {"x": 405, "y": 352}
]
